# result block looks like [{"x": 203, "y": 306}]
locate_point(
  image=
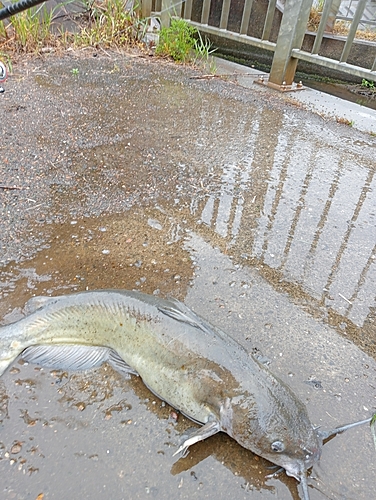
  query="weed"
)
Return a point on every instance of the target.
[
  {"x": 342, "y": 28},
  {"x": 184, "y": 43},
  {"x": 345, "y": 121},
  {"x": 3, "y": 32},
  {"x": 203, "y": 50},
  {"x": 75, "y": 71},
  {"x": 103, "y": 22},
  {"x": 315, "y": 16},
  {"x": 29, "y": 30},
  {"x": 368, "y": 84},
  {"x": 177, "y": 41},
  {"x": 109, "y": 23}
]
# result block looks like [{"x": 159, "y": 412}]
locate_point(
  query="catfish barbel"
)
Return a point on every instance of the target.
[{"x": 193, "y": 366}]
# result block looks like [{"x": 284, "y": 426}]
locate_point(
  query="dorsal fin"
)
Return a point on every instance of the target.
[
  {"x": 182, "y": 313},
  {"x": 36, "y": 303}
]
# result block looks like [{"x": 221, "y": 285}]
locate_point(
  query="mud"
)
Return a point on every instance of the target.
[{"x": 258, "y": 215}]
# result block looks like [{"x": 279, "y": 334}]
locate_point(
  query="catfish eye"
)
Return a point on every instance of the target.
[{"x": 277, "y": 446}]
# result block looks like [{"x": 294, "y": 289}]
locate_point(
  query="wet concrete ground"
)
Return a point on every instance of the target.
[{"x": 257, "y": 214}]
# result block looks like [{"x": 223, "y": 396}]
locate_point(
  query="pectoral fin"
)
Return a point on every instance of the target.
[
  {"x": 74, "y": 357},
  {"x": 207, "y": 430}
]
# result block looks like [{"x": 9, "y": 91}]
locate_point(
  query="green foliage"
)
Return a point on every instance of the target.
[
  {"x": 184, "y": 43},
  {"x": 369, "y": 84},
  {"x": 110, "y": 24},
  {"x": 103, "y": 22},
  {"x": 203, "y": 48},
  {"x": 177, "y": 41},
  {"x": 29, "y": 29}
]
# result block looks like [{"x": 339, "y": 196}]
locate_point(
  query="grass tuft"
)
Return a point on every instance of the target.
[
  {"x": 177, "y": 41},
  {"x": 101, "y": 23},
  {"x": 108, "y": 23},
  {"x": 27, "y": 31},
  {"x": 184, "y": 43}
]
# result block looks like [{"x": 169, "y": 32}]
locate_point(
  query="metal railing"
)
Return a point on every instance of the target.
[
  {"x": 348, "y": 8},
  {"x": 330, "y": 9},
  {"x": 284, "y": 38}
]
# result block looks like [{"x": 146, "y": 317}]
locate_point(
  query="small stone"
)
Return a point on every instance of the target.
[{"x": 16, "y": 448}]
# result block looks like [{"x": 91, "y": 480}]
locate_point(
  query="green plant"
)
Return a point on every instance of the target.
[
  {"x": 32, "y": 27},
  {"x": 75, "y": 71},
  {"x": 109, "y": 23},
  {"x": 177, "y": 41},
  {"x": 203, "y": 48},
  {"x": 103, "y": 22},
  {"x": 369, "y": 84},
  {"x": 30, "y": 30},
  {"x": 203, "y": 51},
  {"x": 3, "y": 32},
  {"x": 184, "y": 43}
]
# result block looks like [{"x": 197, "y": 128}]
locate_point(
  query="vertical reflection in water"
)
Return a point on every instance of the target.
[
  {"x": 307, "y": 227},
  {"x": 281, "y": 224},
  {"x": 245, "y": 181},
  {"x": 225, "y": 199},
  {"x": 207, "y": 213},
  {"x": 303, "y": 209},
  {"x": 281, "y": 135},
  {"x": 351, "y": 273},
  {"x": 365, "y": 299},
  {"x": 340, "y": 212},
  {"x": 224, "y": 210}
]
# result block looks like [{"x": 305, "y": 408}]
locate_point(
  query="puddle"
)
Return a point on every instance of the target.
[{"x": 262, "y": 219}]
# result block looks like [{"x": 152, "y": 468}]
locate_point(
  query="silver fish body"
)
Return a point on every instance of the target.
[{"x": 196, "y": 368}]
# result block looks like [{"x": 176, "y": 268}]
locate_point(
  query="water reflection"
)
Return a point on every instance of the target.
[{"x": 308, "y": 214}]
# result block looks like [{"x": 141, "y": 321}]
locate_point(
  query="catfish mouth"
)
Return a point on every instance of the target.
[
  {"x": 298, "y": 468},
  {"x": 300, "y": 474}
]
